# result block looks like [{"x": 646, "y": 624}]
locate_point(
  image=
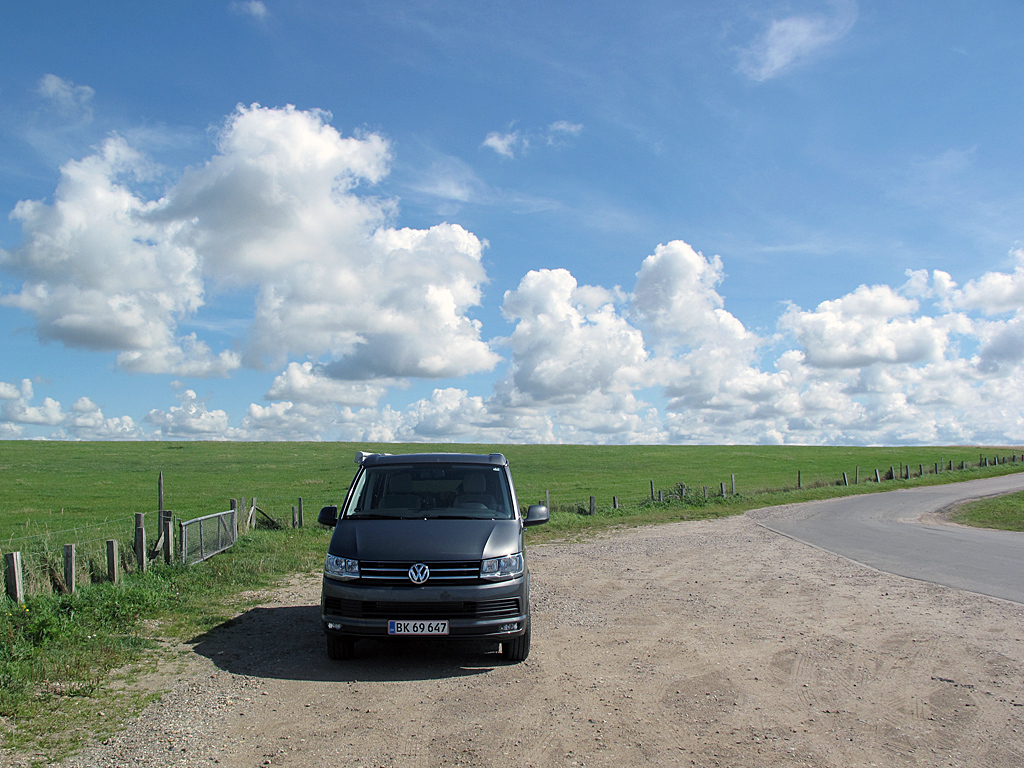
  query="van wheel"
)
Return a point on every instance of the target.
[
  {"x": 340, "y": 647},
  {"x": 519, "y": 648}
]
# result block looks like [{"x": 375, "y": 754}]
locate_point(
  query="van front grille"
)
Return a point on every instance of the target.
[
  {"x": 441, "y": 573},
  {"x": 504, "y": 608}
]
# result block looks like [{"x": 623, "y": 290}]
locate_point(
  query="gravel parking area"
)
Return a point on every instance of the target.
[{"x": 713, "y": 643}]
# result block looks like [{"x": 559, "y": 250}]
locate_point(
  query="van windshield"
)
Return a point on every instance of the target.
[{"x": 442, "y": 491}]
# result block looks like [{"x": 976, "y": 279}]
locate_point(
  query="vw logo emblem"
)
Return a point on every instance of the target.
[{"x": 419, "y": 573}]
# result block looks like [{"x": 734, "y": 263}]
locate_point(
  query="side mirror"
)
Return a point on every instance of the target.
[
  {"x": 328, "y": 516},
  {"x": 536, "y": 514}
]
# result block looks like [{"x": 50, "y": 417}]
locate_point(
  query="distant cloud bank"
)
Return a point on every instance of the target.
[{"x": 348, "y": 308}]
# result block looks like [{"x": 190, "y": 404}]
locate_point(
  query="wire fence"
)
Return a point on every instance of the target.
[
  {"x": 698, "y": 495},
  {"x": 43, "y": 561},
  {"x": 99, "y": 532}
]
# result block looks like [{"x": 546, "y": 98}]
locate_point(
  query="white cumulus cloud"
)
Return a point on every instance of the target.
[
  {"x": 16, "y": 409},
  {"x": 569, "y": 339},
  {"x": 278, "y": 209},
  {"x": 84, "y": 421},
  {"x": 99, "y": 274},
  {"x": 191, "y": 420},
  {"x": 308, "y": 383},
  {"x": 871, "y": 325}
]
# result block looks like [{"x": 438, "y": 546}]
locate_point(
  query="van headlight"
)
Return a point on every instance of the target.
[
  {"x": 343, "y": 568},
  {"x": 501, "y": 568}
]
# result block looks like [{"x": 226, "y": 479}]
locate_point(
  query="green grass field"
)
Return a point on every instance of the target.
[
  {"x": 55, "y": 486},
  {"x": 57, "y": 493},
  {"x": 58, "y": 652}
]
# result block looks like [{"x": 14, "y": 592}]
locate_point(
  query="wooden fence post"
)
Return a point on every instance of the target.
[
  {"x": 15, "y": 580},
  {"x": 846, "y": 480},
  {"x": 652, "y": 490},
  {"x": 140, "y": 541},
  {"x": 160, "y": 493},
  {"x": 593, "y": 505},
  {"x": 878, "y": 479},
  {"x": 856, "y": 480},
  {"x": 167, "y": 530},
  {"x": 300, "y": 511},
  {"x": 113, "y": 566},
  {"x": 70, "y": 568},
  {"x": 615, "y": 502},
  {"x": 547, "y": 499},
  {"x": 723, "y": 490},
  {"x": 799, "y": 480},
  {"x": 734, "y": 485}
]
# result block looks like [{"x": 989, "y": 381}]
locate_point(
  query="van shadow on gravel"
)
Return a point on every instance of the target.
[{"x": 288, "y": 643}]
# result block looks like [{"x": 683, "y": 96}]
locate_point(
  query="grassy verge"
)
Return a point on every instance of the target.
[
  {"x": 67, "y": 662},
  {"x": 1003, "y": 512}
]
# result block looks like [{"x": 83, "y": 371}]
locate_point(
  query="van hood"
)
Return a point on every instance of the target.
[{"x": 425, "y": 539}]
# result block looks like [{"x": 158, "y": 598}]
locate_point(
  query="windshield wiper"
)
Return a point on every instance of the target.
[
  {"x": 460, "y": 517},
  {"x": 375, "y": 516}
]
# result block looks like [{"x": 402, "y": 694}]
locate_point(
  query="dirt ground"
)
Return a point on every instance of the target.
[{"x": 707, "y": 644}]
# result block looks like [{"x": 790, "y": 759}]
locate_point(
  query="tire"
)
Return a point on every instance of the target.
[
  {"x": 518, "y": 649},
  {"x": 340, "y": 647}
]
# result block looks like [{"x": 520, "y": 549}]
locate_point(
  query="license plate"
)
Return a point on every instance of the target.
[{"x": 417, "y": 627}]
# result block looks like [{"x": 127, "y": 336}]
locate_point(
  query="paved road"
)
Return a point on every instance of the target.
[{"x": 883, "y": 530}]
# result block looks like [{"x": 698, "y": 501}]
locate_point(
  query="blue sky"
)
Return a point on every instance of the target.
[{"x": 681, "y": 222}]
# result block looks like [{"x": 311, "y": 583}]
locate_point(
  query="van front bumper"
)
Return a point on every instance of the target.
[{"x": 498, "y": 611}]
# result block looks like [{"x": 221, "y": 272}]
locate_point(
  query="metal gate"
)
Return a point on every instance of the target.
[{"x": 203, "y": 537}]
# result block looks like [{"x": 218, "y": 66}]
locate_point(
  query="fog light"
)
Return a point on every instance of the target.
[
  {"x": 509, "y": 627},
  {"x": 332, "y": 625}
]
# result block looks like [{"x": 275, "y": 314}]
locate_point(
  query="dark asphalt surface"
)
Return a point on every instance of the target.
[{"x": 883, "y": 530}]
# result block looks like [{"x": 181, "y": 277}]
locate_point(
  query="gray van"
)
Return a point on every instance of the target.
[{"x": 428, "y": 545}]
